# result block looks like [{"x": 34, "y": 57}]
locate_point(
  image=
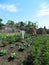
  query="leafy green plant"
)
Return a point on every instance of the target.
[
  {"x": 26, "y": 35},
  {"x": 3, "y": 52},
  {"x": 11, "y": 39},
  {"x": 23, "y": 41},
  {"x": 12, "y": 46},
  {"x": 14, "y": 55},
  {"x": 21, "y": 48},
  {"x": 17, "y": 38},
  {"x": 4, "y": 41},
  {"x": 26, "y": 44},
  {"x": 18, "y": 43}
]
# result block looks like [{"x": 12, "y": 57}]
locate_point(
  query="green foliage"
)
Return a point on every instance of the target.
[
  {"x": 1, "y": 24},
  {"x": 28, "y": 60},
  {"x": 39, "y": 54},
  {"x": 18, "y": 44},
  {"x": 26, "y": 35},
  {"x": 11, "y": 39},
  {"x": 10, "y": 22},
  {"x": 17, "y": 38},
  {"x": 21, "y": 48},
  {"x": 3, "y": 52},
  {"x": 0, "y": 20},
  {"x": 14, "y": 55},
  {"x": 12, "y": 46},
  {"x": 4, "y": 41}
]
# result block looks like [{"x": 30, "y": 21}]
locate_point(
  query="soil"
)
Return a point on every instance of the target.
[{"x": 18, "y": 60}]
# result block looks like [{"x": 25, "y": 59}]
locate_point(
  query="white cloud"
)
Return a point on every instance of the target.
[
  {"x": 44, "y": 10},
  {"x": 10, "y": 8}
]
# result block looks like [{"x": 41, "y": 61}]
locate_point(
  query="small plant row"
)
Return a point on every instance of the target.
[
  {"x": 42, "y": 51},
  {"x": 21, "y": 45},
  {"x": 12, "y": 55},
  {"x": 24, "y": 44},
  {"x": 9, "y": 39},
  {"x": 39, "y": 52}
]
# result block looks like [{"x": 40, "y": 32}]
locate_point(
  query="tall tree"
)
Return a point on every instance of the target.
[
  {"x": 10, "y": 22},
  {"x": 1, "y": 24},
  {"x": 20, "y": 24},
  {"x": 0, "y": 20}
]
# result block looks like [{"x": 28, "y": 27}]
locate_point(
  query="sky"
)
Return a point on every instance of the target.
[{"x": 25, "y": 10}]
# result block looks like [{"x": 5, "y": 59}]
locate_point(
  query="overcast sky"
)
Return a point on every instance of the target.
[{"x": 25, "y": 10}]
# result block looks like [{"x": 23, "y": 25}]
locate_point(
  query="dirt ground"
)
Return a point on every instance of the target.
[{"x": 18, "y": 60}]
